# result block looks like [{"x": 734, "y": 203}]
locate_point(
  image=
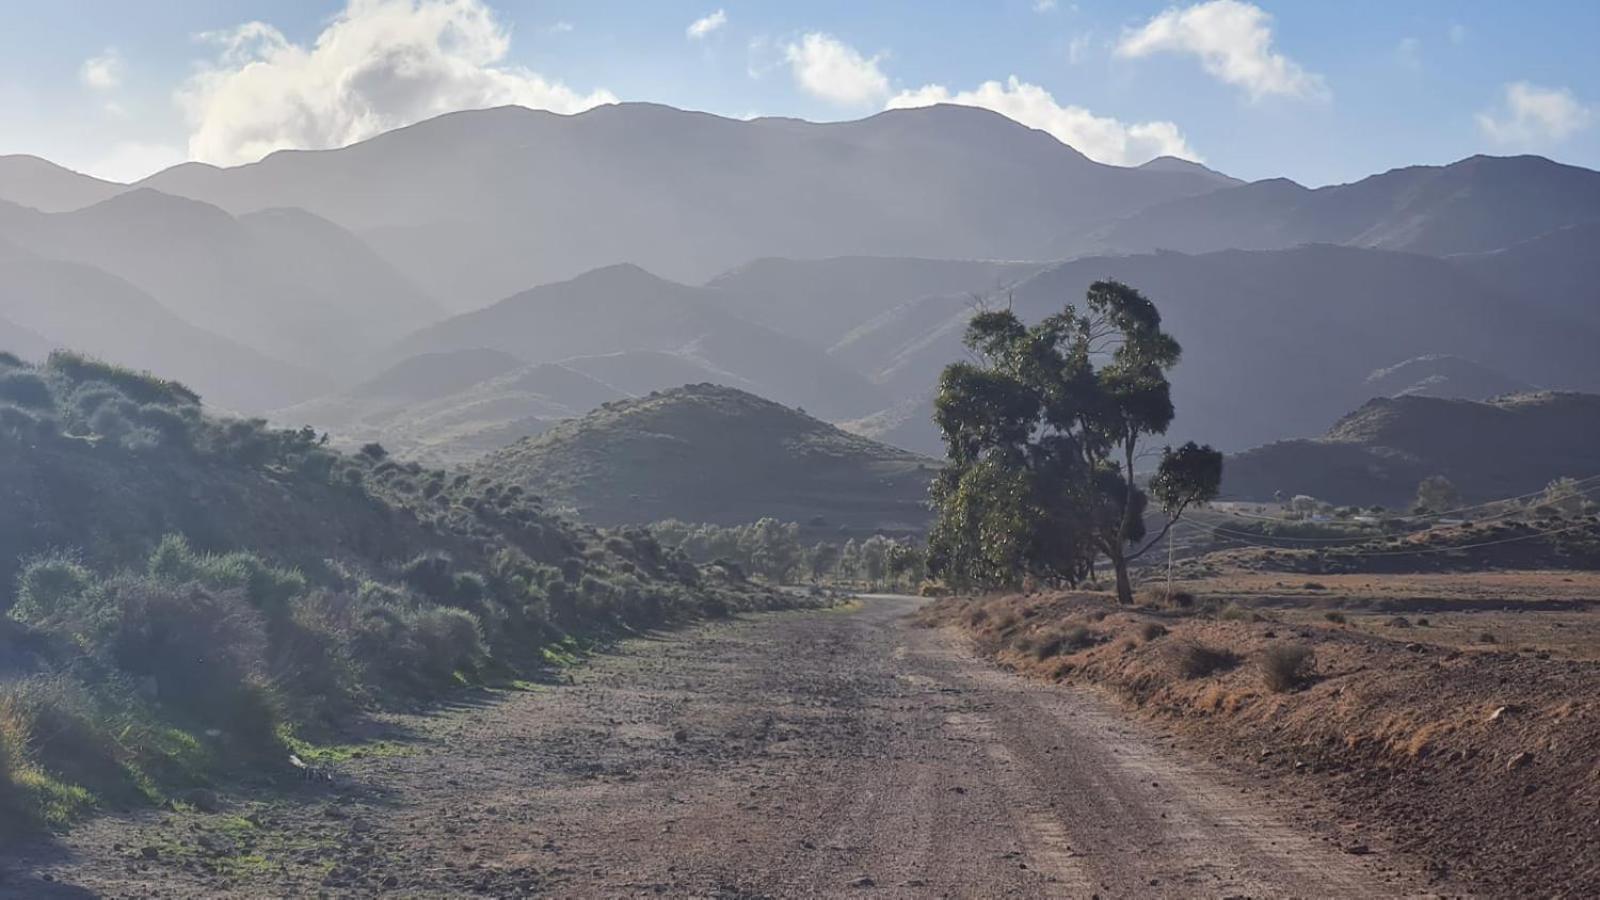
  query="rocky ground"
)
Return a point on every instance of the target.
[{"x": 817, "y": 753}]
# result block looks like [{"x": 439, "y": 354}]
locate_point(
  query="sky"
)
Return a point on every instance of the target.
[{"x": 1321, "y": 92}]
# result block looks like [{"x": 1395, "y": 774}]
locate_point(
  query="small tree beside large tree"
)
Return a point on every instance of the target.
[{"x": 1043, "y": 431}]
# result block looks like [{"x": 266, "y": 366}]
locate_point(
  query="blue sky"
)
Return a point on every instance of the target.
[{"x": 1321, "y": 92}]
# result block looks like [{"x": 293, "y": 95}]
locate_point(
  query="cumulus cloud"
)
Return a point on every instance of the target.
[
  {"x": 103, "y": 72},
  {"x": 1529, "y": 114},
  {"x": 379, "y": 65},
  {"x": 704, "y": 25},
  {"x": 1233, "y": 41},
  {"x": 827, "y": 67},
  {"x": 1097, "y": 137}
]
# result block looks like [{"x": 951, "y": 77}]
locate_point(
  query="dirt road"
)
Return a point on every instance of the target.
[{"x": 836, "y": 753}]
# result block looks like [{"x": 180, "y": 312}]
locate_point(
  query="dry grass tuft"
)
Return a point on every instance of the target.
[
  {"x": 1195, "y": 660},
  {"x": 1285, "y": 667}
]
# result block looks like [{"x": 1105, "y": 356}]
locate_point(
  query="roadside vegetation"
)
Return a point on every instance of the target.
[
  {"x": 778, "y": 553},
  {"x": 187, "y": 597}
]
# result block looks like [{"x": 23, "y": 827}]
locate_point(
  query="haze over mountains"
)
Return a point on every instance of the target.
[
  {"x": 453, "y": 286},
  {"x": 1378, "y": 453}
]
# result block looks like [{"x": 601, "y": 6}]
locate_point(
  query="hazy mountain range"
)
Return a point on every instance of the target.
[
  {"x": 452, "y": 286},
  {"x": 1378, "y": 453}
]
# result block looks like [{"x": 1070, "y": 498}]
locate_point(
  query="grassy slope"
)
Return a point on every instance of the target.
[
  {"x": 706, "y": 453},
  {"x": 298, "y": 585}
]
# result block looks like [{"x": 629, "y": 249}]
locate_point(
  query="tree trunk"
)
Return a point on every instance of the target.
[{"x": 1124, "y": 584}]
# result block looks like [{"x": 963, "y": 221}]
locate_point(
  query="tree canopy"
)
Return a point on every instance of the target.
[{"x": 1043, "y": 430}]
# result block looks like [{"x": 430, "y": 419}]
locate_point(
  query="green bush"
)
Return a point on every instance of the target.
[
  {"x": 203, "y": 652},
  {"x": 267, "y": 587},
  {"x": 26, "y": 389},
  {"x": 51, "y": 588},
  {"x": 447, "y": 641},
  {"x": 141, "y": 387}
]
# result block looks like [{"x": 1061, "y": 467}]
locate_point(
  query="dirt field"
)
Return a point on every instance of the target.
[
  {"x": 821, "y": 753},
  {"x": 1458, "y": 720}
]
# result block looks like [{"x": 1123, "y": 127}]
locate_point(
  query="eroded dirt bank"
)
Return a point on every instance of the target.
[{"x": 819, "y": 753}]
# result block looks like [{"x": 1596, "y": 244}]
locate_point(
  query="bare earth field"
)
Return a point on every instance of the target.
[
  {"x": 820, "y": 753},
  {"x": 1457, "y": 716}
]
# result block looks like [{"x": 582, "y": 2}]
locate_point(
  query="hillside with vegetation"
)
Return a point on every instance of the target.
[
  {"x": 713, "y": 454},
  {"x": 189, "y": 596},
  {"x": 1379, "y": 454}
]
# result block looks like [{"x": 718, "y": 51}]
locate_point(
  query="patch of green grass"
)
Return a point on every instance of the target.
[
  {"x": 51, "y": 803},
  {"x": 325, "y": 754}
]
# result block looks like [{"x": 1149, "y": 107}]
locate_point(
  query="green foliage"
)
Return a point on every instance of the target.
[
  {"x": 774, "y": 551},
  {"x": 293, "y": 617},
  {"x": 1437, "y": 494},
  {"x": 1042, "y": 435},
  {"x": 51, "y": 586},
  {"x": 140, "y": 387},
  {"x": 26, "y": 389},
  {"x": 268, "y": 588}
]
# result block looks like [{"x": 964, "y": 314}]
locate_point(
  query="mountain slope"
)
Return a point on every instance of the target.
[
  {"x": 1378, "y": 454},
  {"x": 1477, "y": 204},
  {"x": 624, "y": 308},
  {"x": 1445, "y": 377},
  {"x": 1559, "y": 271},
  {"x": 42, "y": 185},
  {"x": 1280, "y": 342},
  {"x": 478, "y": 205},
  {"x": 706, "y": 453},
  {"x": 481, "y": 400},
  {"x": 78, "y": 307},
  {"x": 823, "y": 300},
  {"x": 292, "y": 286}
]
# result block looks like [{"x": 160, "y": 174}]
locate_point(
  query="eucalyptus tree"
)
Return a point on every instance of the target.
[{"x": 1043, "y": 430}]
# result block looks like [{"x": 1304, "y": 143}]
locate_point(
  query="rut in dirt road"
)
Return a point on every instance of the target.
[{"x": 784, "y": 755}]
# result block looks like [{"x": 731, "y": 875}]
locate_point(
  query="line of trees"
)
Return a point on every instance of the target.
[{"x": 777, "y": 552}]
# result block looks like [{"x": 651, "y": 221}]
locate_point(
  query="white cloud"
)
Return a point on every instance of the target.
[
  {"x": 1078, "y": 48},
  {"x": 1044, "y": 6},
  {"x": 1408, "y": 53},
  {"x": 379, "y": 65},
  {"x": 1234, "y": 43},
  {"x": 103, "y": 72},
  {"x": 826, "y": 67},
  {"x": 1458, "y": 33},
  {"x": 130, "y": 161},
  {"x": 704, "y": 25},
  {"x": 562, "y": 27},
  {"x": 1097, "y": 137},
  {"x": 1530, "y": 114}
]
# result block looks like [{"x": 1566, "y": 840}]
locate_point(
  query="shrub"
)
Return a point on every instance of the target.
[
  {"x": 1337, "y": 618},
  {"x": 1195, "y": 660},
  {"x": 50, "y": 588},
  {"x": 268, "y": 588},
  {"x": 1057, "y": 642},
  {"x": 449, "y": 640},
  {"x": 374, "y": 451},
  {"x": 204, "y": 651},
  {"x": 140, "y": 387},
  {"x": 1149, "y": 631},
  {"x": 430, "y": 575},
  {"x": 26, "y": 389},
  {"x": 1285, "y": 667}
]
